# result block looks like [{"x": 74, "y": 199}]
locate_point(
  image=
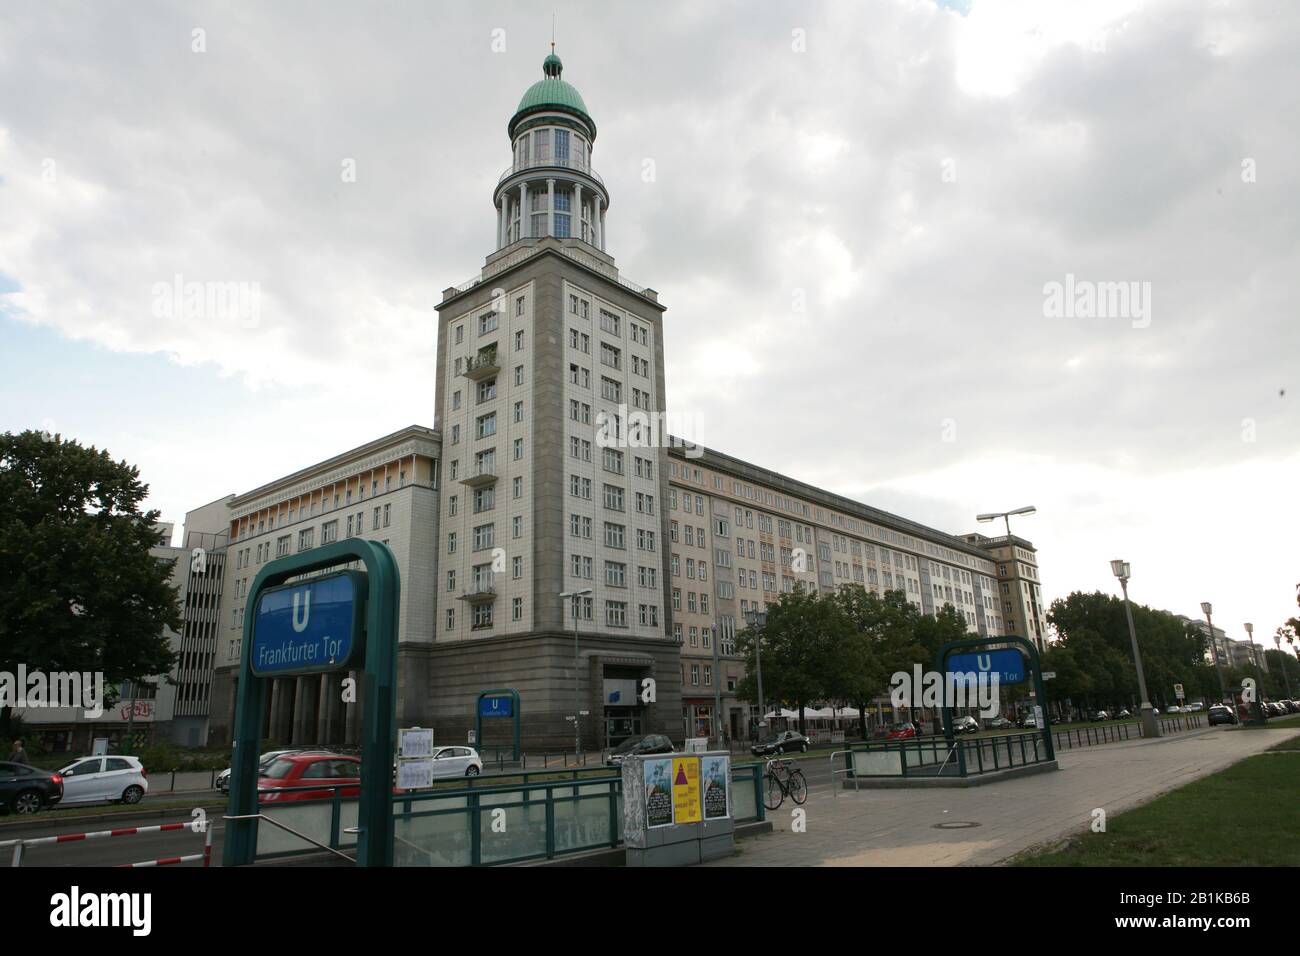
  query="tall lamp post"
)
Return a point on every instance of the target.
[
  {"x": 1277, "y": 639},
  {"x": 1207, "y": 608},
  {"x": 1150, "y": 726},
  {"x": 572, "y": 595},
  {"x": 757, "y": 620},
  {"x": 717, "y": 689},
  {"x": 1260, "y": 718}
]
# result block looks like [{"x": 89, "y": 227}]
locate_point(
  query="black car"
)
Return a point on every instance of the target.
[
  {"x": 785, "y": 742},
  {"x": 1220, "y": 714},
  {"x": 25, "y": 789},
  {"x": 1098, "y": 716},
  {"x": 637, "y": 746}
]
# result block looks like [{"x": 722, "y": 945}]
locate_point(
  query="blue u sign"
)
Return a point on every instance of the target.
[
  {"x": 496, "y": 707},
  {"x": 309, "y": 627},
  {"x": 1009, "y": 665}
]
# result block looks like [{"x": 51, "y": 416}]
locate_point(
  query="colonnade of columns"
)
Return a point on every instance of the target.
[
  {"x": 514, "y": 204},
  {"x": 310, "y": 711}
]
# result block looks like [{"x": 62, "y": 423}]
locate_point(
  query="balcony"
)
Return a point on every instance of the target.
[
  {"x": 480, "y": 592},
  {"x": 568, "y": 163},
  {"x": 481, "y": 366},
  {"x": 483, "y": 473}
]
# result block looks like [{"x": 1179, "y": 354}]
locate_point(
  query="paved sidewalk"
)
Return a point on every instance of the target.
[{"x": 896, "y": 827}]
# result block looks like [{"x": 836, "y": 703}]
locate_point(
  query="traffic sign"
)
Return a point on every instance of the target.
[
  {"x": 1049, "y": 675},
  {"x": 1178, "y": 691},
  {"x": 1008, "y": 664},
  {"x": 309, "y": 627}
]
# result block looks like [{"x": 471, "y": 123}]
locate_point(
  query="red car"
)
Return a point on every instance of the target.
[
  {"x": 305, "y": 770},
  {"x": 901, "y": 731}
]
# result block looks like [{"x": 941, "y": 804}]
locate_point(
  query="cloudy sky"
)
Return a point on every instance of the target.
[{"x": 854, "y": 212}]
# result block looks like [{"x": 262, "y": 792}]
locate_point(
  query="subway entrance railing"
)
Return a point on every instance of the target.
[
  {"x": 936, "y": 757},
  {"x": 484, "y": 821}
]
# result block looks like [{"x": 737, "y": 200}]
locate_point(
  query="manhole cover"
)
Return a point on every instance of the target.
[{"x": 956, "y": 825}]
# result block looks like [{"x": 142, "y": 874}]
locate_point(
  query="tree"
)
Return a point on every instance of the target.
[
  {"x": 81, "y": 590},
  {"x": 1095, "y": 628},
  {"x": 805, "y": 634}
]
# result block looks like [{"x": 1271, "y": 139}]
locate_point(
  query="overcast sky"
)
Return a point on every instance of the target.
[{"x": 853, "y": 212}]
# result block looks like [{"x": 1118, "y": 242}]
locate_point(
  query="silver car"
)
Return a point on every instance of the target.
[{"x": 115, "y": 779}]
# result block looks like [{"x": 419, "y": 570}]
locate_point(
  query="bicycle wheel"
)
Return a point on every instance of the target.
[
  {"x": 774, "y": 793},
  {"x": 798, "y": 787}
]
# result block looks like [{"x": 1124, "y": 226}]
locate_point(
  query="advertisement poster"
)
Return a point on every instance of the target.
[
  {"x": 686, "y": 789},
  {"x": 715, "y": 771},
  {"x": 658, "y": 793}
]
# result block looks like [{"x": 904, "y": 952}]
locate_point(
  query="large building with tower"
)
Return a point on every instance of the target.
[{"x": 549, "y": 537}]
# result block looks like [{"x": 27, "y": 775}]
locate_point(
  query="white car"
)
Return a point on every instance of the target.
[
  {"x": 264, "y": 761},
  {"x": 104, "y": 780},
  {"x": 456, "y": 762}
]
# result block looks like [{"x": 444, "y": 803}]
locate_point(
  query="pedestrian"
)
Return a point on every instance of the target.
[{"x": 18, "y": 755}]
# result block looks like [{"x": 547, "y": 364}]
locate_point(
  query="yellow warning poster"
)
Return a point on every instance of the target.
[{"x": 686, "y": 790}]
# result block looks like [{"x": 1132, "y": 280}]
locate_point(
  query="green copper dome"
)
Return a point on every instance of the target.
[{"x": 552, "y": 93}]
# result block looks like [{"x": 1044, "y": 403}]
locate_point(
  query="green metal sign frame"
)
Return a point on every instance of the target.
[
  {"x": 941, "y": 666},
  {"x": 378, "y": 701},
  {"x": 478, "y": 715}
]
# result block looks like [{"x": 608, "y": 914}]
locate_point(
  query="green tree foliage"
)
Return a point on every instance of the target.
[
  {"x": 1094, "y": 663},
  {"x": 81, "y": 591},
  {"x": 842, "y": 646}
]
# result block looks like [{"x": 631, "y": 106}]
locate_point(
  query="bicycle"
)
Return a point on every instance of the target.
[{"x": 783, "y": 780}]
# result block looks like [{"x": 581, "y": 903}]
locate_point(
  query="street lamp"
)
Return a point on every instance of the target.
[
  {"x": 1150, "y": 726},
  {"x": 1207, "y": 608},
  {"x": 717, "y": 689},
  {"x": 1259, "y": 677},
  {"x": 757, "y": 620},
  {"x": 577, "y": 739},
  {"x": 1006, "y": 516}
]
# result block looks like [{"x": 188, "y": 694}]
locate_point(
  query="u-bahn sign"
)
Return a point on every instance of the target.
[
  {"x": 1008, "y": 664},
  {"x": 309, "y": 627}
]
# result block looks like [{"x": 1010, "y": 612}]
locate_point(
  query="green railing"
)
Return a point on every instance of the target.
[
  {"x": 483, "y": 821},
  {"x": 935, "y": 756}
]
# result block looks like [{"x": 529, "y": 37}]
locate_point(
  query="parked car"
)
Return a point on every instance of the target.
[
  {"x": 999, "y": 723},
  {"x": 1221, "y": 714},
  {"x": 457, "y": 762},
  {"x": 1197, "y": 707},
  {"x": 965, "y": 725},
  {"x": 1291, "y": 706},
  {"x": 638, "y": 746},
  {"x": 25, "y": 789},
  {"x": 785, "y": 742},
  {"x": 1275, "y": 709},
  {"x": 307, "y": 769},
  {"x": 902, "y": 731},
  {"x": 115, "y": 779},
  {"x": 1124, "y": 714},
  {"x": 1098, "y": 715},
  {"x": 264, "y": 761},
  {"x": 1027, "y": 721}
]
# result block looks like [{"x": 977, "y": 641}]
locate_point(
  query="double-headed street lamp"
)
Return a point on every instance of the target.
[
  {"x": 757, "y": 620},
  {"x": 1006, "y": 516},
  {"x": 572, "y": 596},
  {"x": 1259, "y": 676},
  {"x": 1207, "y": 608},
  {"x": 1150, "y": 726}
]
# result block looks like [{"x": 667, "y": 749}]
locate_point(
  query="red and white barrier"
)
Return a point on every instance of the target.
[{"x": 196, "y": 826}]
